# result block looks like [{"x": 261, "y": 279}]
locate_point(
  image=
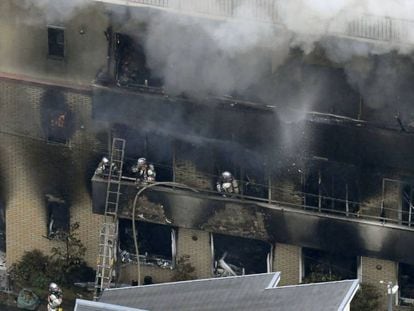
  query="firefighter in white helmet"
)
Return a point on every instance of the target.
[
  {"x": 104, "y": 168},
  {"x": 226, "y": 184},
  {"x": 144, "y": 171},
  {"x": 54, "y": 299}
]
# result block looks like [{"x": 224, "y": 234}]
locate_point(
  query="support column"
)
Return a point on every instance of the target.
[
  {"x": 287, "y": 259},
  {"x": 196, "y": 244}
]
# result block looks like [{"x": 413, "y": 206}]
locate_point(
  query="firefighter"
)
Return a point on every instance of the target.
[
  {"x": 227, "y": 184},
  {"x": 104, "y": 167},
  {"x": 145, "y": 172},
  {"x": 55, "y": 297}
]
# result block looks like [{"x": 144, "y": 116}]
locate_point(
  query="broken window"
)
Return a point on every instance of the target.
[
  {"x": 131, "y": 64},
  {"x": 58, "y": 220},
  {"x": 56, "y": 41},
  {"x": 156, "y": 243},
  {"x": 320, "y": 266},
  {"x": 57, "y": 120},
  {"x": 331, "y": 187},
  {"x": 58, "y": 130},
  {"x": 239, "y": 256},
  {"x": 406, "y": 283}
]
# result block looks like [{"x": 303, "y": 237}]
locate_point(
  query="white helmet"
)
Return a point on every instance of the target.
[
  {"x": 141, "y": 161},
  {"x": 226, "y": 175},
  {"x": 53, "y": 287},
  {"x": 105, "y": 161}
]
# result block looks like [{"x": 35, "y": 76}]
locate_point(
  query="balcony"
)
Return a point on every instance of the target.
[
  {"x": 364, "y": 27},
  {"x": 348, "y": 231}
]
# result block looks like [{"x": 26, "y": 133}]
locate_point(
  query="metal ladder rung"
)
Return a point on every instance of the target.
[{"x": 109, "y": 232}]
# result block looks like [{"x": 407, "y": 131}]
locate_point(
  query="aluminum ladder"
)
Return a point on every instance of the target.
[{"x": 109, "y": 233}]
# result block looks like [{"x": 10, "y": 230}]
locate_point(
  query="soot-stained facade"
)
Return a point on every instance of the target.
[{"x": 321, "y": 149}]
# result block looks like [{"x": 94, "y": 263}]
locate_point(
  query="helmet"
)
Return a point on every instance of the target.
[
  {"x": 226, "y": 175},
  {"x": 53, "y": 287},
  {"x": 141, "y": 161},
  {"x": 105, "y": 160}
]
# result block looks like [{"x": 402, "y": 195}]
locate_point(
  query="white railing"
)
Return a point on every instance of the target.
[
  {"x": 259, "y": 10},
  {"x": 370, "y": 27},
  {"x": 381, "y": 28}
]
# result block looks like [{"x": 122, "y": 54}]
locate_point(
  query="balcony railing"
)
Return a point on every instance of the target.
[
  {"x": 378, "y": 28},
  {"x": 381, "y": 29},
  {"x": 310, "y": 202}
]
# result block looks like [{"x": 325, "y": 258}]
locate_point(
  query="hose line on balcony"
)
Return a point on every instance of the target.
[{"x": 134, "y": 232}]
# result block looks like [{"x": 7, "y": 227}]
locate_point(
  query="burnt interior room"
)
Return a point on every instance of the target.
[
  {"x": 248, "y": 256},
  {"x": 56, "y": 116},
  {"x": 406, "y": 282},
  {"x": 156, "y": 243},
  {"x": 320, "y": 266},
  {"x": 131, "y": 63},
  {"x": 155, "y": 147},
  {"x": 58, "y": 217},
  {"x": 331, "y": 187}
]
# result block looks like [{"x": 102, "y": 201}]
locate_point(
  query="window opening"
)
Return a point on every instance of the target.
[
  {"x": 239, "y": 256},
  {"x": 406, "y": 283},
  {"x": 320, "y": 266},
  {"x": 131, "y": 63},
  {"x": 56, "y": 41},
  {"x": 156, "y": 243},
  {"x": 58, "y": 217}
]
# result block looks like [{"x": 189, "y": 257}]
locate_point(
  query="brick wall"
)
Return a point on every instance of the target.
[
  {"x": 196, "y": 244},
  {"x": 373, "y": 270},
  {"x": 288, "y": 260},
  {"x": 186, "y": 173},
  {"x": 30, "y": 168}
]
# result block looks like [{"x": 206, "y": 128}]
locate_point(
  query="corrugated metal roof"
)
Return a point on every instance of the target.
[{"x": 251, "y": 292}]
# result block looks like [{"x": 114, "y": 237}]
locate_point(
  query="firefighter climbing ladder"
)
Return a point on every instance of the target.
[{"x": 109, "y": 232}]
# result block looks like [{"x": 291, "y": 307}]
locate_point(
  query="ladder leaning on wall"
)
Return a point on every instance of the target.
[{"x": 109, "y": 233}]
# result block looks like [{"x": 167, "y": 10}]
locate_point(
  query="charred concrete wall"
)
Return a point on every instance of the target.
[
  {"x": 32, "y": 168},
  {"x": 24, "y": 40}
]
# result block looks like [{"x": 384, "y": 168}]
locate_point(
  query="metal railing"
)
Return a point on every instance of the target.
[
  {"x": 379, "y": 28},
  {"x": 259, "y": 10},
  {"x": 310, "y": 202}
]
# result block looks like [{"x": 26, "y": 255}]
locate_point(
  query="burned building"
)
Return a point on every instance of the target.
[{"x": 319, "y": 140}]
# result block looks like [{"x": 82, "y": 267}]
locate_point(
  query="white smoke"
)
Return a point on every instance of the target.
[
  {"x": 200, "y": 56},
  {"x": 54, "y": 11}
]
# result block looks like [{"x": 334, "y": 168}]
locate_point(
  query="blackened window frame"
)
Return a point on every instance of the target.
[
  {"x": 318, "y": 262},
  {"x": 56, "y": 44},
  {"x": 217, "y": 241},
  {"x": 57, "y": 206},
  {"x": 127, "y": 225}
]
